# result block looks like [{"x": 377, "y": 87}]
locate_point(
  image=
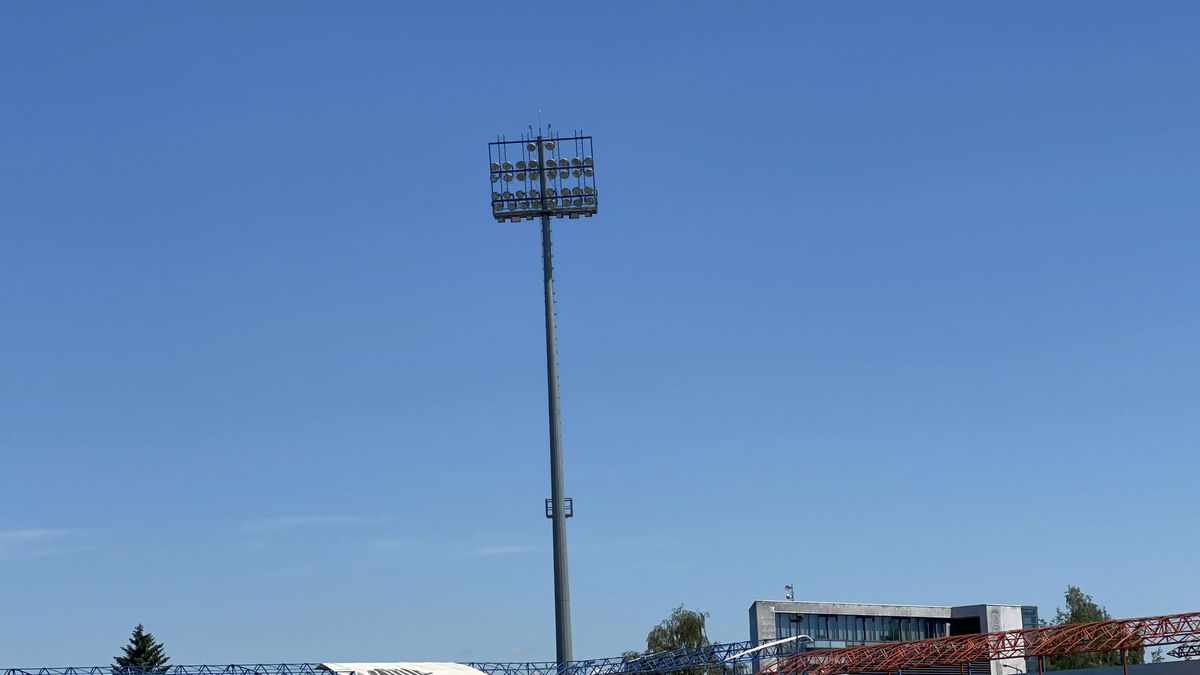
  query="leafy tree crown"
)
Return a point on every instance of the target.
[
  {"x": 684, "y": 629},
  {"x": 1081, "y": 608}
]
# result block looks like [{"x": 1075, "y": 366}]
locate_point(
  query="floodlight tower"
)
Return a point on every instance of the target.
[{"x": 548, "y": 176}]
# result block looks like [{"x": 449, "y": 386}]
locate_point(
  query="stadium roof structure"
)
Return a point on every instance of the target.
[{"x": 938, "y": 656}]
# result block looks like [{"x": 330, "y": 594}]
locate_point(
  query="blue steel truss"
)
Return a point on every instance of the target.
[
  {"x": 713, "y": 658},
  {"x": 233, "y": 669},
  {"x": 718, "y": 659}
]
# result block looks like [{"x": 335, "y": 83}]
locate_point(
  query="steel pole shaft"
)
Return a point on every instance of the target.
[{"x": 562, "y": 593}]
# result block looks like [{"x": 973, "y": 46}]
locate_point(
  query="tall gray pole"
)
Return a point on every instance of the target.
[{"x": 562, "y": 594}]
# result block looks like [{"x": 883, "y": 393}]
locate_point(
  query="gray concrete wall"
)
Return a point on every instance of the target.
[
  {"x": 993, "y": 618},
  {"x": 755, "y": 631}
]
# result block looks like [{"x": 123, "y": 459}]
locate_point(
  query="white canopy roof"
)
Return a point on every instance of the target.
[{"x": 402, "y": 668}]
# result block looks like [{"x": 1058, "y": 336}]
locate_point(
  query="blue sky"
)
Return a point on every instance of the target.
[{"x": 893, "y": 302}]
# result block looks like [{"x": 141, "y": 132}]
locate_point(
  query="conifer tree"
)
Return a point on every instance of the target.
[{"x": 143, "y": 654}]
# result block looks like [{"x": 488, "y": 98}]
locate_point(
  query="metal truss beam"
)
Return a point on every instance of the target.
[
  {"x": 1185, "y": 651},
  {"x": 235, "y": 669},
  {"x": 715, "y": 657},
  {"x": 930, "y": 655}
]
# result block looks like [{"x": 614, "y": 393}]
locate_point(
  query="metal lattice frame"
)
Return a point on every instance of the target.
[
  {"x": 1185, "y": 651},
  {"x": 552, "y": 176},
  {"x": 705, "y": 659},
  {"x": 932, "y": 656},
  {"x": 717, "y": 656},
  {"x": 1100, "y": 636},
  {"x": 233, "y": 669}
]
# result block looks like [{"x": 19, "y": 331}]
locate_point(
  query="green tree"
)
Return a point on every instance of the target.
[
  {"x": 143, "y": 653},
  {"x": 683, "y": 629},
  {"x": 1081, "y": 608}
]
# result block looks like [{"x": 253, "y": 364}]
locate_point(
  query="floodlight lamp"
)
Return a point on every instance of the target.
[
  {"x": 576, "y": 172},
  {"x": 507, "y": 195},
  {"x": 576, "y": 191},
  {"x": 587, "y": 161},
  {"x": 495, "y": 166},
  {"x": 589, "y": 190},
  {"x": 508, "y": 166},
  {"x": 550, "y": 162},
  {"x": 588, "y": 172},
  {"x": 495, "y": 177},
  {"x": 533, "y": 194},
  {"x": 578, "y": 202},
  {"x": 589, "y": 200},
  {"x": 495, "y": 196},
  {"x": 520, "y": 164},
  {"x": 520, "y": 194},
  {"x": 575, "y": 161},
  {"x": 533, "y": 164},
  {"x": 508, "y": 178},
  {"x": 498, "y": 206},
  {"x": 521, "y": 176},
  {"x": 549, "y": 145},
  {"x": 531, "y": 147}
]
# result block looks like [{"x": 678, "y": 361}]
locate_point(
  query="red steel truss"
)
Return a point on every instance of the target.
[
  {"x": 1185, "y": 651},
  {"x": 1100, "y": 636}
]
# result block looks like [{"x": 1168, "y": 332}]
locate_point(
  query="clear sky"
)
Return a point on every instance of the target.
[{"x": 893, "y": 302}]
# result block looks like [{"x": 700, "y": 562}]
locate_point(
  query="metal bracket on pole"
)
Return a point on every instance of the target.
[{"x": 568, "y": 507}]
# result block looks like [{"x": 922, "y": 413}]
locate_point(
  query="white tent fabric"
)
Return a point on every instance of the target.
[{"x": 402, "y": 668}]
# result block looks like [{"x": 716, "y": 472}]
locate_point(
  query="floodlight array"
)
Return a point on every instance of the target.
[{"x": 542, "y": 176}]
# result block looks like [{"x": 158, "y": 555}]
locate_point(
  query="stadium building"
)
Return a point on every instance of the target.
[{"x": 847, "y": 624}]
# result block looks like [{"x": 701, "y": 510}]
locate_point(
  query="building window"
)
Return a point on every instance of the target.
[
  {"x": 1029, "y": 619},
  {"x": 848, "y": 628}
]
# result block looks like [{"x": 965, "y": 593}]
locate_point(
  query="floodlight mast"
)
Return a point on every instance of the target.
[
  {"x": 559, "y": 508},
  {"x": 562, "y": 591}
]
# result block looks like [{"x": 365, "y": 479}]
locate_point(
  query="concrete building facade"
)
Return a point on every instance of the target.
[{"x": 847, "y": 624}]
